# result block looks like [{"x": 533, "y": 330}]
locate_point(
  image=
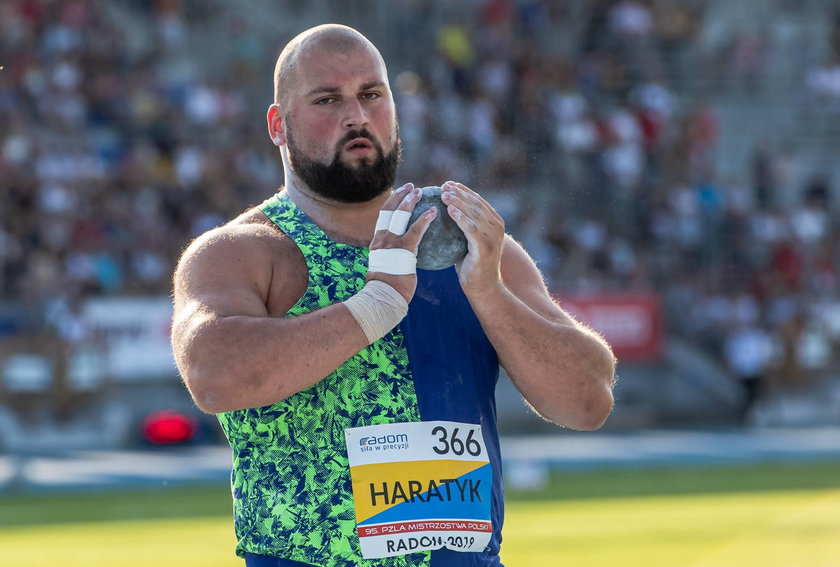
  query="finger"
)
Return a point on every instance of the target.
[
  {"x": 470, "y": 203},
  {"x": 465, "y": 194},
  {"x": 415, "y": 233},
  {"x": 397, "y": 197},
  {"x": 400, "y": 200},
  {"x": 410, "y": 199},
  {"x": 470, "y": 230},
  {"x": 455, "y": 185},
  {"x": 396, "y": 221},
  {"x": 463, "y": 203},
  {"x": 468, "y": 195},
  {"x": 399, "y": 222},
  {"x": 383, "y": 221},
  {"x": 466, "y": 224}
]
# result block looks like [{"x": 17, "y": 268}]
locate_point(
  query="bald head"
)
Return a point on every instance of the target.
[{"x": 326, "y": 38}]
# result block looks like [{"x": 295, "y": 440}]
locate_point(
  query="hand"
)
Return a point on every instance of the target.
[
  {"x": 485, "y": 231},
  {"x": 403, "y": 199}
]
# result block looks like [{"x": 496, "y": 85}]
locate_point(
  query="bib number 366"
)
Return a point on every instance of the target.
[
  {"x": 453, "y": 441},
  {"x": 420, "y": 486}
]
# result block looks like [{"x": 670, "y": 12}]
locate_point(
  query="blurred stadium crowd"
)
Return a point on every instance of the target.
[{"x": 592, "y": 125}]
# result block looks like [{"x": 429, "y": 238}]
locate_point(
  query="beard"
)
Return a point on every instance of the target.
[{"x": 339, "y": 182}]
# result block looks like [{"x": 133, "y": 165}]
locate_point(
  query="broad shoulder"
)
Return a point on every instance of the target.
[
  {"x": 250, "y": 235},
  {"x": 247, "y": 252}
]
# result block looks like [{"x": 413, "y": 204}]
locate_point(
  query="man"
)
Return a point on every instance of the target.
[
  {"x": 749, "y": 350},
  {"x": 364, "y": 430}
]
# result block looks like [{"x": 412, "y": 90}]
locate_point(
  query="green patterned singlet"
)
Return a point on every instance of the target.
[{"x": 291, "y": 483}]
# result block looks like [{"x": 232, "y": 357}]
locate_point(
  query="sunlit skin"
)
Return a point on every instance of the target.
[
  {"x": 340, "y": 92},
  {"x": 234, "y": 284}
]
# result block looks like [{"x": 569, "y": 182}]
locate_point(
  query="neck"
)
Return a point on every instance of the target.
[{"x": 345, "y": 223}]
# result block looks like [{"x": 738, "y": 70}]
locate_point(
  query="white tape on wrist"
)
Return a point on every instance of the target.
[
  {"x": 377, "y": 308},
  {"x": 394, "y": 261}
]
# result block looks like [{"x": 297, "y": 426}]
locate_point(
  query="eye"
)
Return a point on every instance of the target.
[
  {"x": 326, "y": 100},
  {"x": 370, "y": 96}
]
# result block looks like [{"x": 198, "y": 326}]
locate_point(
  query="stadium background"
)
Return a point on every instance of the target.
[{"x": 669, "y": 164}]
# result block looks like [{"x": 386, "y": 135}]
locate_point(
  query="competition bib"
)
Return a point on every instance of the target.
[{"x": 420, "y": 486}]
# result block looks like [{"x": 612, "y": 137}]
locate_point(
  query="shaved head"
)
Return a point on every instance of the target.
[
  {"x": 333, "y": 115},
  {"x": 327, "y": 38}
]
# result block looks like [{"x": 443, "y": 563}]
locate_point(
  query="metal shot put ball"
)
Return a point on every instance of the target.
[{"x": 444, "y": 244}]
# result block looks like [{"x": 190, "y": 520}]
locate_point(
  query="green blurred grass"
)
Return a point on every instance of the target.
[{"x": 769, "y": 515}]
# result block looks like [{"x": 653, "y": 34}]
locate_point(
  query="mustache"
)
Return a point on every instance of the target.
[{"x": 353, "y": 134}]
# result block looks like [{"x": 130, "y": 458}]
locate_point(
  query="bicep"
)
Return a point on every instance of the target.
[
  {"x": 219, "y": 277},
  {"x": 522, "y": 277}
]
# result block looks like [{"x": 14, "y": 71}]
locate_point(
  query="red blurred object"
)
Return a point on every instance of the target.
[
  {"x": 169, "y": 427},
  {"x": 630, "y": 322}
]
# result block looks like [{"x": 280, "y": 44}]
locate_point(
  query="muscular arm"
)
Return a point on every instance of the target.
[
  {"x": 564, "y": 370},
  {"x": 232, "y": 344},
  {"x": 231, "y": 352}
]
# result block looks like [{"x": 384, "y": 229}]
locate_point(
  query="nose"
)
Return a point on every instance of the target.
[{"x": 355, "y": 117}]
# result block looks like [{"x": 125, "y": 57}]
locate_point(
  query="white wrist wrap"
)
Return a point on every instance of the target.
[
  {"x": 377, "y": 308},
  {"x": 394, "y": 261}
]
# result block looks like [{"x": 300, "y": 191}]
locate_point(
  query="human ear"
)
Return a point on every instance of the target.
[{"x": 276, "y": 125}]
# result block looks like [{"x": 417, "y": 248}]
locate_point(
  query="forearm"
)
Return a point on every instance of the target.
[
  {"x": 239, "y": 362},
  {"x": 561, "y": 368}
]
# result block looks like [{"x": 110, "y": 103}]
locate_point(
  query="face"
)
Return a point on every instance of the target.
[
  {"x": 339, "y": 181},
  {"x": 340, "y": 126}
]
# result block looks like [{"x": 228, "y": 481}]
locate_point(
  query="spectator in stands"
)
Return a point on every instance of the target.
[
  {"x": 749, "y": 353},
  {"x": 117, "y": 143}
]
